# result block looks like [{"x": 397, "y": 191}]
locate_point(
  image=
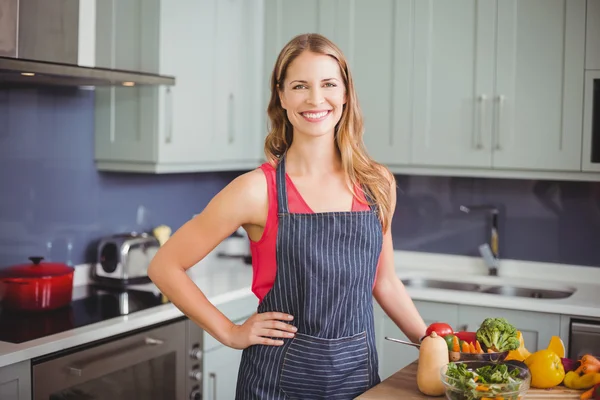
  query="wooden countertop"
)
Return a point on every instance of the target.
[{"x": 403, "y": 385}]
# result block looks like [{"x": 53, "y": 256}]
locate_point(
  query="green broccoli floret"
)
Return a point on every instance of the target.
[{"x": 498, "y": 334}]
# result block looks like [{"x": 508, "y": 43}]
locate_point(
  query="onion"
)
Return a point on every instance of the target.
[{"x": 569, "y": 364}]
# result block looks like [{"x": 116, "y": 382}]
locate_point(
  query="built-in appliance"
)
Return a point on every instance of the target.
[
  {"x": 54, "y": 42},
  {"x": 124, "y": 258},
  {"x": 584, "y": 338},
  {"x": 160, "y": 363},
  {"x": 144, "y": 365}
]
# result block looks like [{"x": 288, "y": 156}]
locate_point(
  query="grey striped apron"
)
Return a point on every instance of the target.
[{"x": 326, "y": 264}]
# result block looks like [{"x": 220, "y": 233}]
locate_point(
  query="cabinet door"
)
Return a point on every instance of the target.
[
  {"x": 394, "y": 356},
  {"x": 221, "y": 367},
  {"x": 453, "y": 82},
  {"x": 539, "y": 84},
  {"x": 15, "y": 381},
  {"x": 126, "y": 117},
  {"x": 537, "y": 328},
  {"x": 237, "y": 48},
  {"x": 187, "y": 111},
  {"x": 376, "y": 38}
]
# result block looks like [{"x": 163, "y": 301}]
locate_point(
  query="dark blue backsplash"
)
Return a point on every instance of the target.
[{"x": 54, "y": 203}]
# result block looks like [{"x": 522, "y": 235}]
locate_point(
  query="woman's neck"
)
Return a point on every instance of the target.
[{"x": 313, "y": 156}]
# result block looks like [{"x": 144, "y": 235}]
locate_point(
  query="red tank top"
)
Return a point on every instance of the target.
[{"x": 264, "y": 264}]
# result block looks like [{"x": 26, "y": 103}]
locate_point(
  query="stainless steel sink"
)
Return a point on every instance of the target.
[
  {"x": 502, "y": 290},
  {"x": 507, "y": 290},
  {"x": 439, "y": 284}
]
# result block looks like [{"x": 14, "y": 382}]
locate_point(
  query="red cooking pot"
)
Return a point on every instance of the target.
[{"x": 37, "y": 286}]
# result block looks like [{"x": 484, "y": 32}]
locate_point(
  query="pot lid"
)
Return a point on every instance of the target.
[{"x": 36, "y": 269}]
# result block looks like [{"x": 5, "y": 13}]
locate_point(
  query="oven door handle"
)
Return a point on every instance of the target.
[
  {"x": 120, "y": 357},
  {"x": 583, "y": 327}
]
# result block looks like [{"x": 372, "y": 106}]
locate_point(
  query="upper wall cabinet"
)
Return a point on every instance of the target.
[
  {"x": 453, "y": 80},
  {"x": 211, "y": 118},
  {"x": 499, "y": 84},
  {"x": 540, "y": 57}
]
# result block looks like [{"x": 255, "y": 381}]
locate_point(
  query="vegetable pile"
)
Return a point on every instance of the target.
[
  {"x": 486, "y": 382},
  {"x": 584, "y": 374},
  {"x": 498, "y": 335}
]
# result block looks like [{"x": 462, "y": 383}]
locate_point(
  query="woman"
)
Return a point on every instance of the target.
[{"x": 318, "y": 215}]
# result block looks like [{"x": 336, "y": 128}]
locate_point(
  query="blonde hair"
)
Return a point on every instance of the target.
[{"x": 358, "y": 166}]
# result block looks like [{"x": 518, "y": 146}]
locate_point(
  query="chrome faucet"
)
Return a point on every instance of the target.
[{"x": 492, "y": 258}]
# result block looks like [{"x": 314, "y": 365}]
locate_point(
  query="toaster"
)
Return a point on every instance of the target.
[{"x": 124, "y": 258}]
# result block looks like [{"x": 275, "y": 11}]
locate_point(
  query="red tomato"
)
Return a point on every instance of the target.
[
  {"x": 441, "y": 328},
  {"x": 469, "y": 337}
]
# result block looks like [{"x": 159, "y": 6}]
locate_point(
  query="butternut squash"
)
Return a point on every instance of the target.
[{"x": 433, "y": 355}]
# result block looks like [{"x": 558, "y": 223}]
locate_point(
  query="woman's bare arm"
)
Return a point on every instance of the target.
[
  {"x": 243, "y": 202},
  {"x": 391, "y": 294}
]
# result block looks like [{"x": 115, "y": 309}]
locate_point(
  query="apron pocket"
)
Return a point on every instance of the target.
[{"x": 326, "y": 368}]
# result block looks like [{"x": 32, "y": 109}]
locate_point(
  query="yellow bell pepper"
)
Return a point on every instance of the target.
[
  {"x": 574, "y": 381},
  {"x": 546, "y": 369}
]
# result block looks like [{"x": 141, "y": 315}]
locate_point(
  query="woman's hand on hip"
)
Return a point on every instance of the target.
[{"x": 264, "y": 328}]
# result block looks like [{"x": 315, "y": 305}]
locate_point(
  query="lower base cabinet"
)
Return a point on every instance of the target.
[
  {"x": 537, "y": 329},
  {"x": 221, "y": 367},
  {"x": 15, "y": 381}
]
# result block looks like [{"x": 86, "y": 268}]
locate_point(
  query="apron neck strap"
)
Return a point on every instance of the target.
[{"x": 282, "y": 197}]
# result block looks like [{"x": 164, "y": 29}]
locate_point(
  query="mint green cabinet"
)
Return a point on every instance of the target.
[
  {"x": 15, "y": 381},
  {"x": 211, "y": 118}
]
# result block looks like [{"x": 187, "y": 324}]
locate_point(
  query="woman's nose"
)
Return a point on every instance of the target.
[{"x": 315, "y": 97}]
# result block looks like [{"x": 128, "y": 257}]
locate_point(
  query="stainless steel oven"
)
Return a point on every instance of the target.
[
  {"x": 584, "y": 338},
  {"x": 152, "y": 364}
]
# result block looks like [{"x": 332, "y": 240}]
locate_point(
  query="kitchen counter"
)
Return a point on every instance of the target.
[
  {"x": 225, "y": 280},
  {"x": 403, "y": 385}
]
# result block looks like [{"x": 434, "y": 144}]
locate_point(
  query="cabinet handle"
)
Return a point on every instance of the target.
[
  {"x": 168, "y": 116},
  {"x": 230, "y": 119},
  {"x": 481, "y": 104},
  {"x": 499, "y": 105},
  {"x": 213, "y": 377}
]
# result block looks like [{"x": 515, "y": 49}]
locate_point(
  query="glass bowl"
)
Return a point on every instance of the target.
[
  {"x": 471, "y": 390},
  {"x": 491, "y": 357}
]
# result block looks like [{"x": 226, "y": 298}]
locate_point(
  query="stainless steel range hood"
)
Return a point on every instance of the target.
[
  {"x": 52, "y": 42},
  {"x": 31, "y": 72}
]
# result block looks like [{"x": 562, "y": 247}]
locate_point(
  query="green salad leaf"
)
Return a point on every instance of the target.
[{"x": 484, "y": 382}]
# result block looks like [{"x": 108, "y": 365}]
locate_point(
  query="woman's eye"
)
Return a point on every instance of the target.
[
  {"x": 329, "y": 84},
  {"x": 300, "y": 87}
]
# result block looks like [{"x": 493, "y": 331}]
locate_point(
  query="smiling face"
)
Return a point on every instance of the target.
[{"x": 313, "y": 94}]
